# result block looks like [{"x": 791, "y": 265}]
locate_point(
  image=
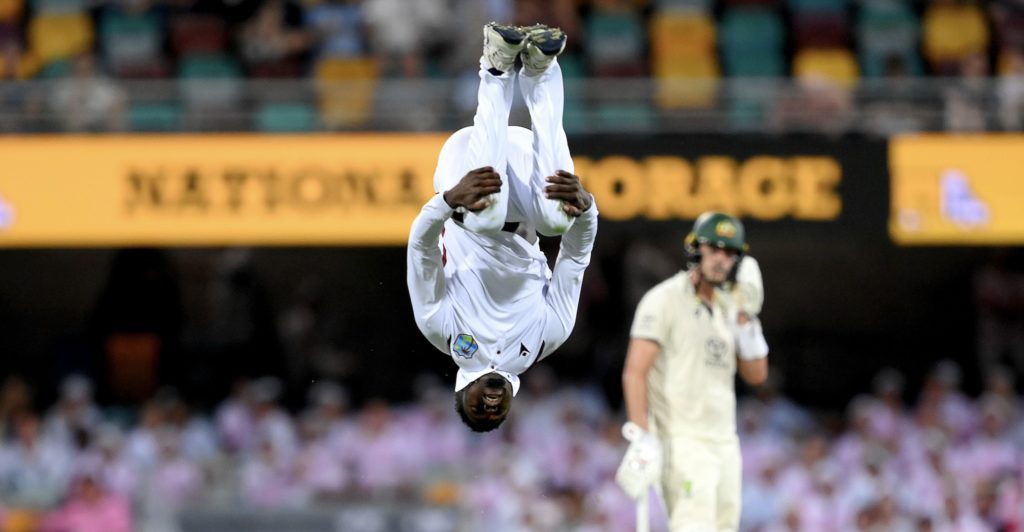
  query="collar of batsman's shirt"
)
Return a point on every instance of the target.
[{"x": 466, "y": 377}]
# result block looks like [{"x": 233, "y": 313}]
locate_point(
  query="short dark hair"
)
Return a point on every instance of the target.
[{"x": 477, "y": 425}]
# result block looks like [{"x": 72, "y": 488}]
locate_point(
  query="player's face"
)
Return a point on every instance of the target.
[
  {"x": 716, "y": 263},
  {"x": 489, "y": 397}
]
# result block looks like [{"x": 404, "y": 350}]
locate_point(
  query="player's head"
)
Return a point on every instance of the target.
[
  {"x": 715, "y": 246},
  {"x": 485, "y": 403}
]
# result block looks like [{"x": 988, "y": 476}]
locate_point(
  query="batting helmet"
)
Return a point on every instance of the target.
[{"x": 715, "y": 229}]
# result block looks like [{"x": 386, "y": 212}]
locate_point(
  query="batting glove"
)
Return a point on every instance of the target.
[
  {"x": 749, "y": 289},
  {"x": 641, "y": 465}
]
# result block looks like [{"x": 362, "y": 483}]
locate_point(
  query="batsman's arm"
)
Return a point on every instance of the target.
[
  {"x": 753, "y": 372},
  {"x": 639, "y": 359},
  {"x": 751, "y": 350},
  {"x": 425, "y": 270}
]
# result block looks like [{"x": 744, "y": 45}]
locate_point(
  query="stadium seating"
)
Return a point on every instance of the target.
[
  {"x": 820, "y": 29},
  {"x": 285, "y": 118},
  {"x": 154, "y": 117},
  {"x": 194, "y": 33},
  {"x": 683, "y": 59},
  {"x": 884, "y": 31},
  {"x": 614, "y": 42},
  {"x": 574, "y": 111},
  {"x": 54, "y": 37},
  {"x": 752, "y": 40},
  {"x": 835, "y": 64},
  {"x": 210, "y": 80},
  {"x": 345, "y": 88},
  {"x": 131, "y": 42},
  {"x": 681, "y": 34},
  {"x": 952, "y": 32}
]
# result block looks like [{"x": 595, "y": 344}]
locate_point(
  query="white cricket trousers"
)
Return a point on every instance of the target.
[
  {"x": 522, "y": 157},
  {"x": 700, "y": 484}
]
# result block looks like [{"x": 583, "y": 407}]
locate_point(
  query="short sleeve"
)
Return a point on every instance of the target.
[{"x": 649, "y": 320}]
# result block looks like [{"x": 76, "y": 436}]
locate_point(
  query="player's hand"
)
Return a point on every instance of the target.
[
  {"x": 473, "y": 190},
  {"x": 567, "y": 187},
  {"x": 641, "y": 466}
]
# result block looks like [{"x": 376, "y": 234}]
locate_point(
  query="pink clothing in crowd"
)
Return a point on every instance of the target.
[{"x": 109, "y": 513}]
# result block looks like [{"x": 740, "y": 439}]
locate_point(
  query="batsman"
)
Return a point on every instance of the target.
[{"x": 690, "y": 336}]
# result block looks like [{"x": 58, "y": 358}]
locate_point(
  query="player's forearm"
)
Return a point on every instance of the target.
[
  {"x": 578, "y": 241},
  {"x": 425, "y": 271},
  {"x": 634, "y": 393},
  {"x": 427, "y": 227},
  {"x": 753, "y": 372}
]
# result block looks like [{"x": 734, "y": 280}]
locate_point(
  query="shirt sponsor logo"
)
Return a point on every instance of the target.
[{"x": 465, "y": 346}]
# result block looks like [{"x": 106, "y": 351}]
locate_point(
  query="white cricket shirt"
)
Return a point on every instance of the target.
[
  {"x": 691, "y": 387},
  {"x": 490, "y": 301}
]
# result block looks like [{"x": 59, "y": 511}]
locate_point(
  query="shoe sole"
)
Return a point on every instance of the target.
[
  {"x": 549, "y": 41},
  {"x": 510, "y": 34}
]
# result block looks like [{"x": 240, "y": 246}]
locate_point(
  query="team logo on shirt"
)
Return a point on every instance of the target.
[
  {"x": 716, "y": 353},
  {"x": 465, "y": 346}
]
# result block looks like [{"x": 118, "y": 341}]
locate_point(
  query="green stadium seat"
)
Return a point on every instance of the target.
[
  {"x": 574, "y": 115},
  {"x": 751, "y": 41},
  {"x": 755, "y": 63},
  {"x": 286, "y": 118},
  {"x": 210, "y": 79},
  {"x": 625, "y": 117},
  {"x": 750, "y": 29},
  {"x": 887, "y": 28},
  {"x": 154, "y": 117},
  {"x": 746, "y": 113},
  {"x": 61, "y": 68},
  {"x": 615, "y": 44},
  {"x": 204, "y": 65},
  {"x": 130, "y": 39}
]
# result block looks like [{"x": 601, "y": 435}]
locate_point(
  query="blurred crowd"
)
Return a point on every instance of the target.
[
  {"x": 96, "y": 52},
  {"x": 941, "y": 461}
]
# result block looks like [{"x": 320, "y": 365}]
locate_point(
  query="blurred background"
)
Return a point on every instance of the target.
[{"x": 204, "y": 322}]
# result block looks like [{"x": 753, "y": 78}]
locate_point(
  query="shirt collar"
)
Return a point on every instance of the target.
[{"x": 465, "y": 377}]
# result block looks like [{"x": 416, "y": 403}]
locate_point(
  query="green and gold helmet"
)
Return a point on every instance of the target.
[{"x": 716, "y": 229}]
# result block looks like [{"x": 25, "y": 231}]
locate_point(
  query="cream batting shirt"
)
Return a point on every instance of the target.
[
  {"x": 691, "y": 390},
  {"x": 491, "y": 302}
]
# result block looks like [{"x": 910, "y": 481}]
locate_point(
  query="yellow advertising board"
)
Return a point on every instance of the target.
[
  {"x": 346, "y": 189},
  {"x": 214, "y": 189},
  {"x": 957, "y": 190}
]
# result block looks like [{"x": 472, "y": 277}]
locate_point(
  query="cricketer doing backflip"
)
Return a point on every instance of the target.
[{"x": 481, "y": 288}]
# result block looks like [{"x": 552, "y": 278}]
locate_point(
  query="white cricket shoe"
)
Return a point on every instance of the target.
[
  {"x": 502, "y": 44},
  {"x": 543, "y": 45}
]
